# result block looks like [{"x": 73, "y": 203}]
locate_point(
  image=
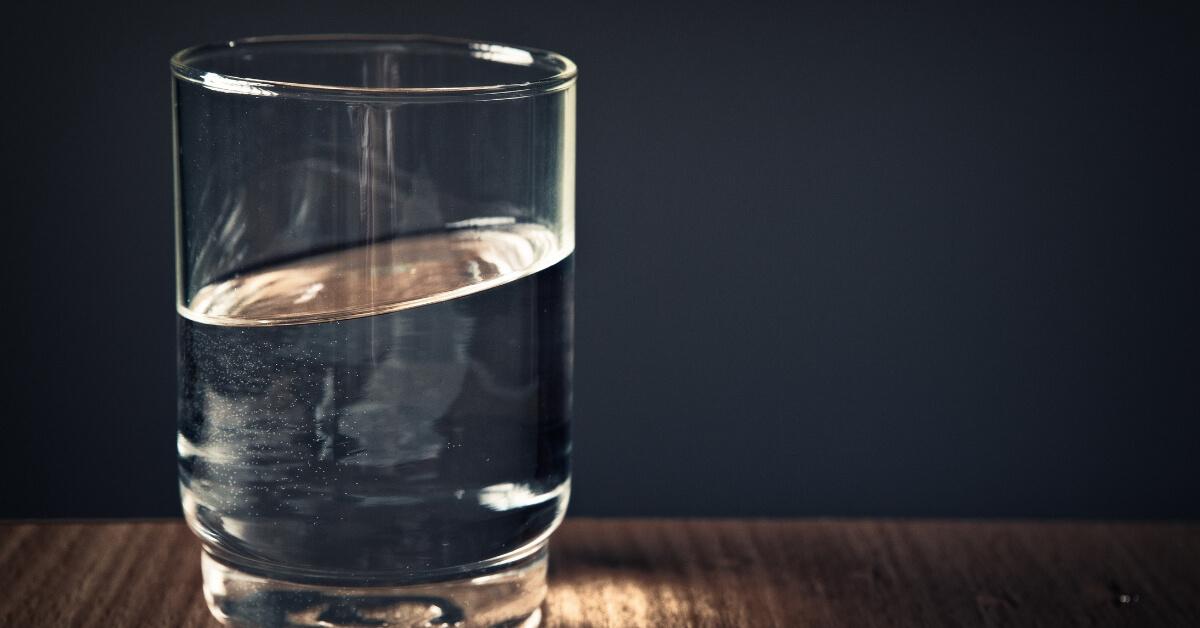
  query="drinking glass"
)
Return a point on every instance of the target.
[{"x": 374, "y": 240}]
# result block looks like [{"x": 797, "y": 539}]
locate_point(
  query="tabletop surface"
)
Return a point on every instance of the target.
[{"x": 665, "y": 573}]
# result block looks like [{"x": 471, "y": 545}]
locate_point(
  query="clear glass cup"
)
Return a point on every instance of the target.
[{"x": 374, "y": 249}]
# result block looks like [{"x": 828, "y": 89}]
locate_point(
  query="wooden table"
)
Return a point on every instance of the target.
[{"x": 665, "y": 573}]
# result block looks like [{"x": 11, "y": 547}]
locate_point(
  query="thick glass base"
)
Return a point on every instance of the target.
[{"x": 506, "y": 598}]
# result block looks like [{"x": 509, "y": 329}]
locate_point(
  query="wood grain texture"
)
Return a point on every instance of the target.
[{"x": 667, "y": 573}]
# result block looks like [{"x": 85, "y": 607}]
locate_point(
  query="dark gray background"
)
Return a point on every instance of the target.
[{"x": 834, "y": 259}]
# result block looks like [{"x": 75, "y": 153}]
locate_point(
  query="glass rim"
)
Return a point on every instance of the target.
[{"x": 182, "y": 67}]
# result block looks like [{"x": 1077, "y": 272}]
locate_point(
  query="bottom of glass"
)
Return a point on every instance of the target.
[{"x": 509, "y": 598}]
